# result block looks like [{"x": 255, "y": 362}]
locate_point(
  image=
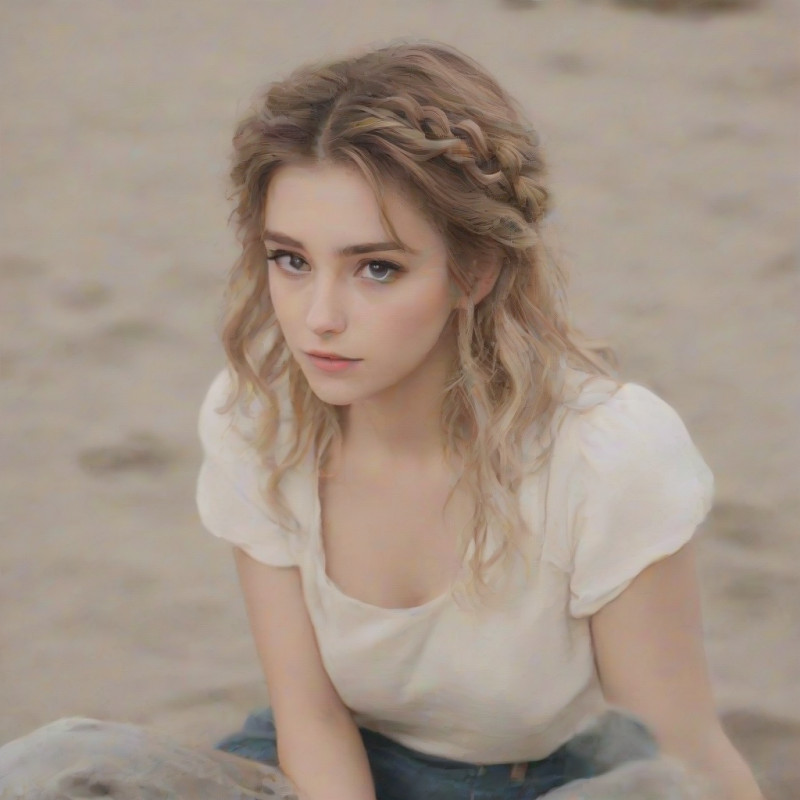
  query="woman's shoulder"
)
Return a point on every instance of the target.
[
  {"x": 631, "y": 482},
  {"x": 232, "y": 496},
  {"x": 231, "y": 416},
  {"x": 621, "y": 438},
  {"x": 603, "y": 412},
  {"x": 226, "y": 423}
]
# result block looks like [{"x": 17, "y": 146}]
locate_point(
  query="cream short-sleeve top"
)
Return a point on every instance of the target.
[{"x": 625, "y": 486}]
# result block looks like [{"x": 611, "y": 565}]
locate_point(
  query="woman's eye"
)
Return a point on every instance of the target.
[
  {"x": 381, "y": 271},
  {"x": 290, "y": 262}
]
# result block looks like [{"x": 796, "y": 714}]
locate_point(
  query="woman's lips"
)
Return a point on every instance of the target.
[{"x": 332, "y": 363}]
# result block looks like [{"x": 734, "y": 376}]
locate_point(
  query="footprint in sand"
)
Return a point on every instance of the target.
[
  {"x": 779, "y": 79},
  {"x": 757, "y": 592},
  {"x": 138, "y": 452},
  {"x": 783, "y": 266},
  {"x": 755, "y": 580},
  {"x": 83, "y": 296},
  {"x": 16, "y": 268},
  {"x": 740, "y": 525},
  {"x": 691, "y": 6},
  {"x": 520, "y": 5},
  {"x": 568, "y": 63},
  {"x": 17, "y": 275},
  {"x": 731, "y": 205},
  {"x": 113, "y": 342}
]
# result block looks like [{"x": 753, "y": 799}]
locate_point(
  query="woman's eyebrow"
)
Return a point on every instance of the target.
[{"x": 350, "y": 250}]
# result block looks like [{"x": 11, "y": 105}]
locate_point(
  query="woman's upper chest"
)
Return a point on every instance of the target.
[{"x": 393, "y": 539}]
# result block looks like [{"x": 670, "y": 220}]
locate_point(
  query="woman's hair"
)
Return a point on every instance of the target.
[{"x": 424, "y": 119}]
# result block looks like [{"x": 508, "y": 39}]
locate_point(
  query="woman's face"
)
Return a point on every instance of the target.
[{"x": 363, "y": 317}]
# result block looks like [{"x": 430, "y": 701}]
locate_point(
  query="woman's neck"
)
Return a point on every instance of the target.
[{"x": 404, "y": 421}]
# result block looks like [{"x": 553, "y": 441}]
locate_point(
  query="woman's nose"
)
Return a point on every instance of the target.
[{"x": 326, "y": 313}]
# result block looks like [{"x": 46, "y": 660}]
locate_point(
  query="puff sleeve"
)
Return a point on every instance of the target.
[
  {"x": 229, "y": 498},
  {"x": 642, "y": 489}
]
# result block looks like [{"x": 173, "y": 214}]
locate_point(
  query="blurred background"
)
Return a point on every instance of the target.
[{"x": 672, "y": 134}]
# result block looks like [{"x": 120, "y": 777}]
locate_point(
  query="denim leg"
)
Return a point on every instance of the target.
[
  {"x": 398, "y": 774},
  {"x": 403, "y": 774},
  {"x": 257, "y": 740}
]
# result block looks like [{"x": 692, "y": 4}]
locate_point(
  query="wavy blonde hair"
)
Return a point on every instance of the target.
[{"x": 427, "y": 120}]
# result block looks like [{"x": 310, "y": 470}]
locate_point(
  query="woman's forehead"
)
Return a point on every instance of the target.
[{"x": 335, "y": 204}]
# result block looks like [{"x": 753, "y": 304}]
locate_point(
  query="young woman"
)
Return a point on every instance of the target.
[{"x": 457, "y": 537}]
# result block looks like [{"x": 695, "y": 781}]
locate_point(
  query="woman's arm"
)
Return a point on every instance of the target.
[
  {"x": 648, "y": 646},
  {"x": 319, "y": 746}
]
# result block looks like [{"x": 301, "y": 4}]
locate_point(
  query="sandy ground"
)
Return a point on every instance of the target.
[{"x": 673, "y": 141}]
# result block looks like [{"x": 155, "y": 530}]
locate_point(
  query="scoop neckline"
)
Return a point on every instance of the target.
[{"x": 320, "y": 564}]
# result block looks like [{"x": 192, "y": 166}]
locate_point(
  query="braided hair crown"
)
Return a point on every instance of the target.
[{"x": 431, "y": 118}]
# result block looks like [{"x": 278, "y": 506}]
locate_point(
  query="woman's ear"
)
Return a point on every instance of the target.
[{"x": 485, "y": 281}]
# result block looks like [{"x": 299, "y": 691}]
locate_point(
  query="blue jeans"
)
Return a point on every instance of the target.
[{"x": 400, "y": 773}]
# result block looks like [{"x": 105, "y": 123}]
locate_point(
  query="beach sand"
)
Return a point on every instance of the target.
[{"x": 673, "y": 145}]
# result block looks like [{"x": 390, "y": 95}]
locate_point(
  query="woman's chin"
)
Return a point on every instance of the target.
[{"x": 332, "y": 395}]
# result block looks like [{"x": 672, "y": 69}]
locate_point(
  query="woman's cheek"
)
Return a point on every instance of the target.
[{"x": 420, "y": 313}]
